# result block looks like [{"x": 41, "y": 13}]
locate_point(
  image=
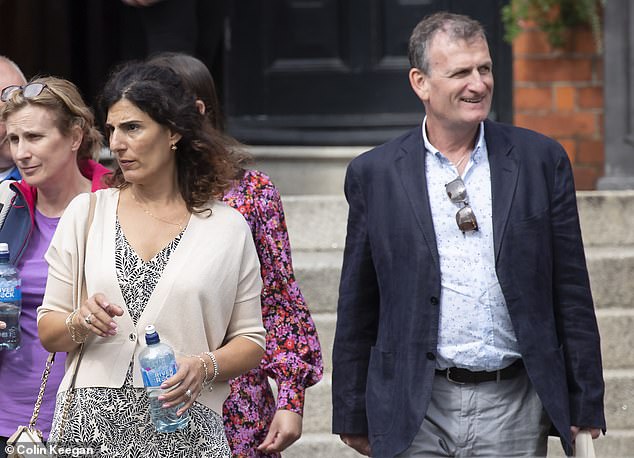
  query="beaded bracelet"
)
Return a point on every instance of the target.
[
  {"x": 209, "y": 383},
  {"x": 79, "y": 337}
]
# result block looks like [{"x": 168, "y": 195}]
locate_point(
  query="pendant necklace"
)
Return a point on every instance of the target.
[
  {"x": 457, "y": 164},
  {"x": 147, "y": 212}
]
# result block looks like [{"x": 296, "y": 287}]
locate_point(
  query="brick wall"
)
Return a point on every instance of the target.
[{"x": 560, "y": 94}]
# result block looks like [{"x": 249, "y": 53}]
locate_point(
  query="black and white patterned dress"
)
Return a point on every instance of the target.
[{"x": 115, "y": 422}]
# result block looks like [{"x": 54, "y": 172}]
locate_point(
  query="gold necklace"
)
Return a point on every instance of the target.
[
  {"x": 457, "y": 164},
  {"x": 147, "y": 212}
]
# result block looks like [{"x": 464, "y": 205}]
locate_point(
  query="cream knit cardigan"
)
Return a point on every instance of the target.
[{"x": 208, "y": 294}]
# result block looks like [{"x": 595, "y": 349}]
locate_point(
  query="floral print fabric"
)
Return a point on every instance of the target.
[{"x": 293, "y": 354}]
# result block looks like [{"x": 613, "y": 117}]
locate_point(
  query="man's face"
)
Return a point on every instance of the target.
[
  {"x": 458, "y": 90},
  {"x": 8, "y": 77}
]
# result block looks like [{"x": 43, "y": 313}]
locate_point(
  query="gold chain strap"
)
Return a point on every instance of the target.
[
  {"x": 70, "y": 392},
  {"x": 40, "y": 395}
]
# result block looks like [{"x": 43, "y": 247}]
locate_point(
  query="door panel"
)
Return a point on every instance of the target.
[{"x": 332, "y": 71}]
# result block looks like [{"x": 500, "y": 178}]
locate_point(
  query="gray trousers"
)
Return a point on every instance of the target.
[{"x": 504, "y": 418}]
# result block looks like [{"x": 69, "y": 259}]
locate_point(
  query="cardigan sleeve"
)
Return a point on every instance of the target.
[
  {"x": 293, "y": 354},
  {"x": 246, "y": 320},
  {"x": 63, "y": 255}
]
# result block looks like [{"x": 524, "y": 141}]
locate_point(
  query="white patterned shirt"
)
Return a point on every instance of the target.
[{"x": 475, "y": 330}]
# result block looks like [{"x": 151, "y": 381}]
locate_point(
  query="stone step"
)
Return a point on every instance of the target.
[
  {"x": 610, "y": 269},
  {"x": 619, "y": 402},
  {"x": 607, "y": 217},
  {"x": 306, "y": 169},
  {"x": 615, "y": 326},
  {"x": 323, "y": 445},
  {"x": 319, "y": 222}
]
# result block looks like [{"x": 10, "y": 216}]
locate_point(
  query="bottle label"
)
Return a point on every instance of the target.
[
  {"x": 157, "y": 375},
  {"x": 10, "y": 294}
]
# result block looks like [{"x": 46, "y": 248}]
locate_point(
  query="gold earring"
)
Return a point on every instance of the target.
[{"x": 173, "y": 147}]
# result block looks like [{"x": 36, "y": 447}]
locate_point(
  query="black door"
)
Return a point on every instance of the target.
[{"x": 334, "y": 72}]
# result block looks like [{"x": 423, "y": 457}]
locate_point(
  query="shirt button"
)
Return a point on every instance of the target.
[
  {"x": 434, "y": 300},
  {"x": 431, "y": 356},
  {"x": 132, "y": 337}
]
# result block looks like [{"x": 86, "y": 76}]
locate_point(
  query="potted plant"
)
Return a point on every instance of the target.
[{"x": 554, "y": 17}]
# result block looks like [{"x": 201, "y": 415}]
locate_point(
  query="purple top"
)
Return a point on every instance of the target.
[{"x": 21, "y": 370}]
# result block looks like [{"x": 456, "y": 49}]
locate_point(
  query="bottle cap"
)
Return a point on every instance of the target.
[{"x": 151, "y": 336}]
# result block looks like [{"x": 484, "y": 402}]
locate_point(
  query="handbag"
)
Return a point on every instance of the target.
[
  {"x": 28, "y": 441},
  {"x": 584, "y": 447}
]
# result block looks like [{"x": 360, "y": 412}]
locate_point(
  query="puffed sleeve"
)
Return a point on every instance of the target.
[{"x": 293, "y": 354}]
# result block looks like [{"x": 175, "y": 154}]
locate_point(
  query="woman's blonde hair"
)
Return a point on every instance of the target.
[{"x": 62, "y": 98}]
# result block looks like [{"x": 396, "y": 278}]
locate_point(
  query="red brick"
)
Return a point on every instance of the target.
[
  {"x": 571, "y": 148},
  {"x": 585, "y": 178},
  {"x": 590, "y": 97},
  {"x": 565, "y": 98},
  {"x": 559, "y": 124},
  {"x": 581, "y": 40},
  {"x": 531, "y": 41},
  {"x": 551, "y": 69},
  {"x": 591, "y": 152},
  {"x": 532, "y": 98}
]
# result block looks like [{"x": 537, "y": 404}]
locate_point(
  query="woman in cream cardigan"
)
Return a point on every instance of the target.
[{"x": 161, "y": 250}]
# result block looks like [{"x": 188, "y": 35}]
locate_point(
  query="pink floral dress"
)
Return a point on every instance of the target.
[{"x": 293, "y": 354}]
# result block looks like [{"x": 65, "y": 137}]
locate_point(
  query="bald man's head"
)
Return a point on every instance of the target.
[{"x": 10, "y": 74}]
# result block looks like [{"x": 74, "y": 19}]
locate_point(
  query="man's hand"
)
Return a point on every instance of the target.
[
  {"x": 360, "y": 443},
  {"x": 594, "y": 432},
  {"x": 285, "y": 429}
]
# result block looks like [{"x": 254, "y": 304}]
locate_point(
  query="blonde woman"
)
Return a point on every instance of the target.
[{"x": 52, "y": 138}]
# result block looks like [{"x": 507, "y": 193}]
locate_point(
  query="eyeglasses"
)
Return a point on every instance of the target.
[
  {"x": 465, "y": 218},
  {"x": 28, "y": 91}
]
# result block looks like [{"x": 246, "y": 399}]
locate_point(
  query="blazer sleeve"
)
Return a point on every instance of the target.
[
  {"x": 357, "y": 316},
  {"x": 574, "y": 308}
]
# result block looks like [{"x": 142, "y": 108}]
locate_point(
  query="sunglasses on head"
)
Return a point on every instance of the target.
[
  {"x": 465, "y": 218},
  {"x": 28, "y": 91}
]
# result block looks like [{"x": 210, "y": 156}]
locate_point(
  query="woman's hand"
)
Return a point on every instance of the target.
[
  {"x": 96, "y": 314},
  {"x": 187, "y": 383},
  {"x": 285, "y": 429}
]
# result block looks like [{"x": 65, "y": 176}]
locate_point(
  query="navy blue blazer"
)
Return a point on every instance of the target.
[{"x": 387, "y": 317}]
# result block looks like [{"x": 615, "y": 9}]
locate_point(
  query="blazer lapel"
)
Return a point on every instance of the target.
[
  {"x": 410, "y": 164},
  {"x": 504, "y": 165}
]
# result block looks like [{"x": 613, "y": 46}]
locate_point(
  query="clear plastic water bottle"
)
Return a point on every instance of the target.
[
  {"x": 10, "y": 301},
  {"x": 157, "y": 365}
]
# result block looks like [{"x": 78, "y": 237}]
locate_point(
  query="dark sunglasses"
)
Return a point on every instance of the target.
[
  {"x": 28, "y": 91},
  {"x": 465, "y": 218}
]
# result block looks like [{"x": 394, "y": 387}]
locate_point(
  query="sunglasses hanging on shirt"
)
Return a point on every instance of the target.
[{"x": 465, "y": 218}]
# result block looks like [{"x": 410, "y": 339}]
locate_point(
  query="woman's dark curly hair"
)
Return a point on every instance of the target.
[{"x": 205, "y": 167}]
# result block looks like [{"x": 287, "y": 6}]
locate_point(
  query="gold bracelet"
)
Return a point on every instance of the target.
[
  {"x": 79, "y": 337},
  {"x": 202, "y": 360},
  {"x": 208, "y": 384}
]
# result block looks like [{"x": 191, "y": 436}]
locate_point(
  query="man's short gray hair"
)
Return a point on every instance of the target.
[{"x": 457, "y": 26}]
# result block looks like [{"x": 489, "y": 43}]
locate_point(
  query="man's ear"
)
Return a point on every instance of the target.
[{"x": 420, "y": 83}]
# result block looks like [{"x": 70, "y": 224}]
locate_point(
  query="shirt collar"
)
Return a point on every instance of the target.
[{"x": 476, "y": 154}]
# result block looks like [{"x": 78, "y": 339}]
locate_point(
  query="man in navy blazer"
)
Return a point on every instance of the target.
[{"x": 465, "y": 324}]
